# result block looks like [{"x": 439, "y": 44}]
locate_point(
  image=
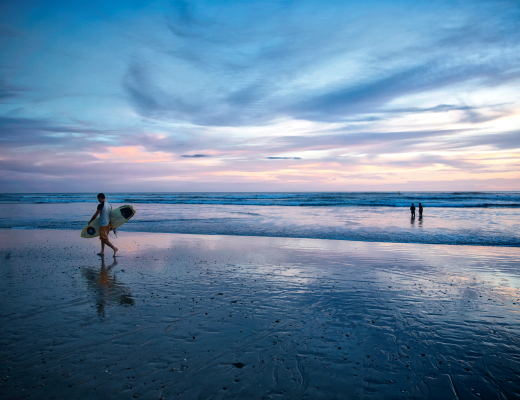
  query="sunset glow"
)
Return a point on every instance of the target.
[{"x": 276, "y": 96}]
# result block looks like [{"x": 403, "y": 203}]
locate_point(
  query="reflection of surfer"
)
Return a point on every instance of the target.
[
  {"x": 105, "y": 287},
  {"x": 103, "y": 210}
]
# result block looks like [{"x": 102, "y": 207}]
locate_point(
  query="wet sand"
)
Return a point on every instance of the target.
[{"x": 194, "y": 316}]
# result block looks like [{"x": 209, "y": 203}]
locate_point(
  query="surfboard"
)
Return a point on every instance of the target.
[{"x": 118, "y": 216}]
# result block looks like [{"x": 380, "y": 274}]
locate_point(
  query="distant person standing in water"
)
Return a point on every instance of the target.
[
  {"x": 420, "y": 210},
  {"x": 103, "y": 210},
  {"x": 412, "y": 209}
]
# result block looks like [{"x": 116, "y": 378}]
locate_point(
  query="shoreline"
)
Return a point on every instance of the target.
[
  {"x": 481, "y": 227},
  {"x": 512, "y": 246},
  {"x": 251, "y": 317}
]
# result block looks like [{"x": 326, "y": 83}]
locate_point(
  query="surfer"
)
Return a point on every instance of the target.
[
  {"x": 412, "y": 209},
  {"x": 103, "y": 210},
  {"x": 420, "y": 210}
]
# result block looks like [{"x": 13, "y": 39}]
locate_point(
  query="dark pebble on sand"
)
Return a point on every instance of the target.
[{"x": 239, "y": 365}]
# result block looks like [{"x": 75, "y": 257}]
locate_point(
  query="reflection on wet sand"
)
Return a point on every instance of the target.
[
  {"x": 105, "y": 287},
  {"x": 237, "y": 318}
]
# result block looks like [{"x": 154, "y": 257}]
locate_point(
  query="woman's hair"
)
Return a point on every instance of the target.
[{"x": 101, "y": 196}]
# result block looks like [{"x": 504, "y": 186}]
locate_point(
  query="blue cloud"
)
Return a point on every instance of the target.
[
  {"x": 172, "y": 76},
  {"x": 254, "y": 66},
  {"x": 8, "y": 91}
]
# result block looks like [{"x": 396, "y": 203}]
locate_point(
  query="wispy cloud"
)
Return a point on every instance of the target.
[
  {"x": 284, "y": 158},
  {"x": 8, "y": 90},
  {"x": 272, "y": 94}
]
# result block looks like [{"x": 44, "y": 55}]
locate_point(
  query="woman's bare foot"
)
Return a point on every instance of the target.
[
  {"x": 115, "y": 251},
  {"x": 101, "y": 254}
]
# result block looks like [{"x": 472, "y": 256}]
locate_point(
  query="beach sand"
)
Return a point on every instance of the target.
[{"x": 195, "y": 316}]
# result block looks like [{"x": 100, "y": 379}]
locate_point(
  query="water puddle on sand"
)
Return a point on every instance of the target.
[{"x": 244, "y": 317}]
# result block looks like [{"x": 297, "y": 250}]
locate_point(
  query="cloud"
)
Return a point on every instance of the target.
[
  {"x": 369, "y": 97},
  {"x": 340, "y": 140},
  {"x": 283, "y": 158},
  {"x": 370, "y": 87},
  {"x": 500, "y": 141},
  {"x": 435, "y": 109},
  {"x": 254, "y": 74},
  {"x": 9, "y": 91},
  {"x": 31, "y": 132},
  {"x": 344, "y": 147},
  {"x": 8, "y": 32}
]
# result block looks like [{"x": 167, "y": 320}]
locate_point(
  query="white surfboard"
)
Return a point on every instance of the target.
[{"x": 118, "y": 216}]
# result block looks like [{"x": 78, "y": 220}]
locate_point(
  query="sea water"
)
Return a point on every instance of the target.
[{"x": 457, "y": 218}]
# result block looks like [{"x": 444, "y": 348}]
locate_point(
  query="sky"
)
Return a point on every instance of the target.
[{"x": 376, "y": 95}]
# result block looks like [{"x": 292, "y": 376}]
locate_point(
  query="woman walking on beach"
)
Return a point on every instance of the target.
[{"x": 103, "y": 210}]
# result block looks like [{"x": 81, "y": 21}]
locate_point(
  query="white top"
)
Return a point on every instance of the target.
[{"x": 104, "y": 213}]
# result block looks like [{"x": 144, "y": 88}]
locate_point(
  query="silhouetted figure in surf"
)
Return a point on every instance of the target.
[
  {"x": 412, "y": 209},
  {"x": 420, "y": 210}
]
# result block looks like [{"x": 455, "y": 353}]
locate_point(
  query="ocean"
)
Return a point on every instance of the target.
[{"x": 455, "y": 218}]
